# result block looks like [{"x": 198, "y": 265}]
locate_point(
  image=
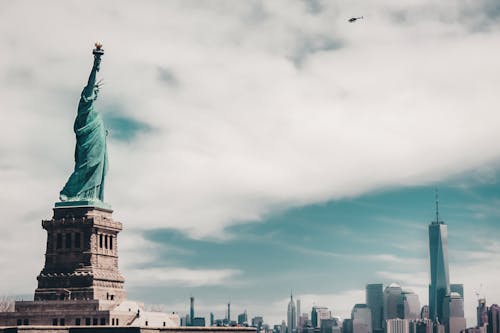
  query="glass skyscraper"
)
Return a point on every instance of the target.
[
  {"x": 291, "y": 316},
  {"x": 375, "y": 301},
  {"x": 440, "y": 279}
]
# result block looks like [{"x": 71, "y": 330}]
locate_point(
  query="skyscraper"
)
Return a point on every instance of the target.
[
  {"x": 375, "y": 301},
  {"x": 453, "y": 313},
  {"x": 440, "y": 280},
  {"x": 243, "y": 318},
  {"x": 494, "y": 319},
  {"x": 291, "y": 315},
  {"x": 392, "y": 301},
  {"x": 397, "y": 326},
  {"x": 482, "y": 312},
  {"x": 361, "y": 317},
  {"x": 191, "y": 310},
  {"x": 298, "y": 313},
  {"x": 319, "y": 313},
  {"x": 409, "y": 307}
]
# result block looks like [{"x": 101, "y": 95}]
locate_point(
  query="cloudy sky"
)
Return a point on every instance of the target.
[{"x": 261, "y": 146}]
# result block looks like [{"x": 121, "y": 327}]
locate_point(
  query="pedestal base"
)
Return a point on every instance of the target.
[{"x": 81, "y": 260}]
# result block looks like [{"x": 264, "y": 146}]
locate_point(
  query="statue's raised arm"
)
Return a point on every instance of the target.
[
  {"x": 90, "y": 91},
  {"x": 86, "y": 183}
]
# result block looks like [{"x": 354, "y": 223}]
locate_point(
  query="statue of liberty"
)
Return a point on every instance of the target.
[{"x": 86, "y": 183}]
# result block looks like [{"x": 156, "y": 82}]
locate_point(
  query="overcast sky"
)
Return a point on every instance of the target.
[{"x": 261, "y": 146}]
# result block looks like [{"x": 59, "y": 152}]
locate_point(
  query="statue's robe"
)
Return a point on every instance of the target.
[{"x": 91, "y": 158}]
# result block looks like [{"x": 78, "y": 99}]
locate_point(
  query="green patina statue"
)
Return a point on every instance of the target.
[{"x": 86, "y": 183}]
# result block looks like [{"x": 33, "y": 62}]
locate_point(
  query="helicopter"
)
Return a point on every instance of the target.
[{"x": 354, "y": 19}]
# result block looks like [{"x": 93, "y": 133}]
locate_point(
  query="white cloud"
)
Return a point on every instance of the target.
[
  {"x": 138, "y": 261},
  {"x": 178, "y": 276},
  {"x": 403, "y": 101}
]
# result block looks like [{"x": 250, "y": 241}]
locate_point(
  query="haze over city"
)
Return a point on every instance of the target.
[{"x": 259, "y": 147}]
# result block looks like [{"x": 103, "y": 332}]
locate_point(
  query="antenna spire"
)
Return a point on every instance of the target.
[{"x": 437, "y": 205}]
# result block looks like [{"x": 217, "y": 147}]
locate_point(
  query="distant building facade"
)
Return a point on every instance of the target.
[
  {"x": 331, "y": 325},
  {"x": 409, "y": 306},
  {"x": 397, "y": 325},
  {"x": 392, "y": 301},
  {"x": 361, "y": 319},
  {"x": 375, "y": 301},
  {"x": 318, "y": 314},
  {"x": 198, "y": 321},
  {"x": 243, "y": 318},
  {"x": 291, "y": 316}
]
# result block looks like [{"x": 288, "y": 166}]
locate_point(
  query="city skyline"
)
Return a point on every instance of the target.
[{"x": 257, "y": 147}]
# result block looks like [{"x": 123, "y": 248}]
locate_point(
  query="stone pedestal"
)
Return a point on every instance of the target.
[{"x": 81, "y": 259}]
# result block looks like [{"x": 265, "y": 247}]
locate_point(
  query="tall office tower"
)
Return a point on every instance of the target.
[
  {"x": 397, "y": 326},
  {"x": 291, "y": 315},
  {"x": 191, "y": 310},
  {"x": 303, "y": 320},
  {"x": 440, "y": 281},
  {"x": 229, "y": 312},
  {"x": 283, "y": 327},
  {"x": 392, "y": 301},
  {"x": 453, "y": 313},
  {"x": 482, "y": 312},
  {"x": 361, "y": 317},
  {"x": 494, "y": 319},
  {"x": 347, "y": 325},
  {"x": 375, "y": 301},
  {"x": 457, "y": 288},
  {"x": 409, "y": 305},
  {"x": 298, "y": 313},
  {"x": 212, "y": 319},
  {"x": 243, "y": 318},
  {"x": 319, "y": 313},
  {"x": 331, "y": 325}
]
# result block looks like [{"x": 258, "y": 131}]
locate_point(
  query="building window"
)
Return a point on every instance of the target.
[
  {"x": 146, "y": 323},
  {"x": 62, "y": 322},
  {"x": 164, "y": 324},
  {"x": 94, "y": 321},
  {"x": 87, "y": 321},
  {"x": 100, "y": 241},
  {"x": 59, "y": 241},
  {"x": 77, "y": 240},
  {"x": 77, "y": 321},
  {"x": 103, "y": 321},
  {"x": 111, "y": 242},
  {"x": 106, "y": 241},
  {"x": 117, "y": 322},
  {"x": 54, "y": 322},
  {"x": 26, "y": 322},
  {"x": 68, "y": 241},
  {"x": 113, "y": 321},
  {"x": 19, "y": 322}
]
